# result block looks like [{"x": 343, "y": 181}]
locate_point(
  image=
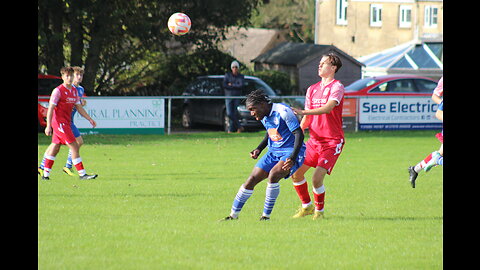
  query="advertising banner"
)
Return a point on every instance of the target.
[
  {"x": 349, "y": 107},
  {"x": 123, "y": 115},
  {"x": 397, "y": 113},
  {"x": 349, "y": 114}
]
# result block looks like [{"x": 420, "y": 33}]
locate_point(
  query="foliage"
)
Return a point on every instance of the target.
[
  {"x": 278, "y": 80},
  {"x": 120, "y": 43},
  {"x": 298, "y": 17},
  {"x": 175, "y": 71},
  {"x": 169, "y": 75}
]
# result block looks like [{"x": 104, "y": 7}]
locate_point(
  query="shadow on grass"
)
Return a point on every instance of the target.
[
  {"x": 394, "y": 218},
  {"x": 142, "y": 195}
]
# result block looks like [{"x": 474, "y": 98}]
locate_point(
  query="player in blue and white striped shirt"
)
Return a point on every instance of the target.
[{"x": 286, "y": 151}]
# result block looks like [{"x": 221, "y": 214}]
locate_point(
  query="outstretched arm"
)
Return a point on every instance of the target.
[
  {"x": 83, "y": 113},
  {"x": 256, "y": 152},
  {"x": 324, "y": 109}
]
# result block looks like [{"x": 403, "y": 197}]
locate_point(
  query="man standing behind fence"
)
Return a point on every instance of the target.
[{"x": 233, "y": 84}]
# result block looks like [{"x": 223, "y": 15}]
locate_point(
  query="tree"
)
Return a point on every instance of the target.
[
  {"x": 297, "y": 16},
  {"x": 119, "y": 41}
]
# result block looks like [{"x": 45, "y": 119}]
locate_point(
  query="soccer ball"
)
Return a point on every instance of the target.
[{"x": 179, "y": 24}]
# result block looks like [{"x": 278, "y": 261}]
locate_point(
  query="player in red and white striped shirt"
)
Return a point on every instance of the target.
[{"x": 323, "y": 118}]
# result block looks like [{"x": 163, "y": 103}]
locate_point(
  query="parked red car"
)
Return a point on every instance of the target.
[
  {"x": 46, "y": 83},
  {"x": 392, "y": 85}
]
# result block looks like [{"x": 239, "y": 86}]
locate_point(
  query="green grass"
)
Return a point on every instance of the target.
[{"x": 157, "y": 199}]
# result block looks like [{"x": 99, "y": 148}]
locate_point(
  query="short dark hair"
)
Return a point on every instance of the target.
[
  {"x": 66, "y": 70},
  {"x": 78, "y": 69},
  {"x": 334, "y": 60},
  {"x": 258, "y": 96}
]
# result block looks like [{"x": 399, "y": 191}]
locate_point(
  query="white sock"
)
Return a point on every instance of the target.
[
  {"x": 319, "y": 190},
  {"x": 300, "y": 183}
]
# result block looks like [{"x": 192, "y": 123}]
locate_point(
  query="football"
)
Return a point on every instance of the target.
[{"x": 179, "y": 24}]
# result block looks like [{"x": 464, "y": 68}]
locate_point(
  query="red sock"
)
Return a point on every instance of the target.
[
  {"x": 48, "y": 163},
  {"x": 302, "y": 191},
  {"x": 79, "y": 166},
  {"x": 47, "y": 167},
  {"x": 426, "y": 160},
  {"x": 423, "y": 163},
  {"x": 319, "y": 201}
]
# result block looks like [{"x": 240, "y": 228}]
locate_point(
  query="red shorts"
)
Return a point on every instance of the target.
[
  {"x": 323, "y": 153},
  {"x": 439, "y": 136},
  {"x": 62, "y": 133}
]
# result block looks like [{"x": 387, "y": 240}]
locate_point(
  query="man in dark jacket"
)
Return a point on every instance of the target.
[{"x": 233, "y": 84}]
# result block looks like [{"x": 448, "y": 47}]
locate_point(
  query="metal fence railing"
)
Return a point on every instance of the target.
[
  {"x": 169, "y": 103},
  {"x": 359, "y": 112}
]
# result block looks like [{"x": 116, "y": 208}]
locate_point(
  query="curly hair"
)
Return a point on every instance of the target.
[{"x": 258, "y": 96}]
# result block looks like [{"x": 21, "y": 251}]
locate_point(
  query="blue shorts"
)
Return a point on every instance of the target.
[
  {"x": 271, "y": 158},
  {"x": 75, "y": 131}
]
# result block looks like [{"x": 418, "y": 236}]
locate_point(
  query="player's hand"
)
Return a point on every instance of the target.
[
  {"x": 255, "y": 153},
  {"x": 288, "y": 164},
  {"x": 297, "y": 111},
  {"x": 92, "y": 122},
  {"x": 48, "y": 131},
  {"x": 83, "y": 101}
]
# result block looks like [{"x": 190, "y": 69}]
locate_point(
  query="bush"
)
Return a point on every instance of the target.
[
  {"x": 276, "y": 79},
  {"x": 177, "y": 71},
  {"x": 174, "y": 72}
]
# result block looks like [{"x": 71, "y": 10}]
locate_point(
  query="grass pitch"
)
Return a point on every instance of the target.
[{"x": 158, "y": 199}]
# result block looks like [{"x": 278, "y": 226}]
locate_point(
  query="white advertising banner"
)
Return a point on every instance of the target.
[
  {"x": 123, "y": 115},
  {"x": 398, "y": 113}
]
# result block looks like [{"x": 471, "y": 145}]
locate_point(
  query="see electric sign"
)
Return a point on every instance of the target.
[
  {"x": 400, "y": 107},
  {"x": 398, "y": 113}
]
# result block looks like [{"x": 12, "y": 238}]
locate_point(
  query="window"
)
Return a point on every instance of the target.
[
  {"x": 405, "y": 17},
  {"x": 342, "y": 12},
  {"x": 202, "y": 88},
  {"x": 215, "y": 87},
  {"x": 397, "y": 86},
  {"x": 252, "y": 85},
  {"x": 425, "y": 86},
  {"x": 255, "y": 84},
  {"x": 431, "y": 16},
  {"x": 376, "y": 15},
  {"x": 360, "y": 84},
  {"x": 379, "y": 89}
]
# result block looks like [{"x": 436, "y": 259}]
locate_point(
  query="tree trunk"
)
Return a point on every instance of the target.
[
  {"x": 53, "y": 26},
  {"x": 93, "y": 58},
  {"x": 76, "y": 34}
]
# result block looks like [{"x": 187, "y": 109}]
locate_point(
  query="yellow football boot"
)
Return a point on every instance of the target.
[
  {"x": 302, "y": 212},
  {"x": 318, "y": 215},
  {"x": 68, "y": 171}
]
